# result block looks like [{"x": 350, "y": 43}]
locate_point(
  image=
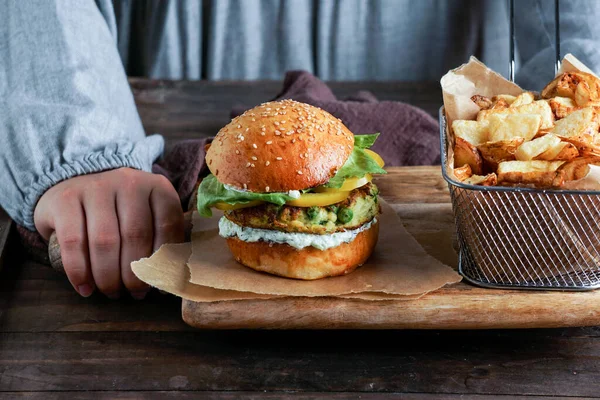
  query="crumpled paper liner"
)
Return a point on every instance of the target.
[{"x": 205, "y": 270}]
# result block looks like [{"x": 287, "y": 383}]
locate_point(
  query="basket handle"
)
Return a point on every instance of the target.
[{"x": 511, "y": 27}]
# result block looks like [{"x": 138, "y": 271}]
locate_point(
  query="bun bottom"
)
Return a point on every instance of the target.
[{"x": 309, "y": 263}]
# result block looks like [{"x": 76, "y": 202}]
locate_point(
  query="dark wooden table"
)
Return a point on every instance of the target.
[{"x": 54, "y": 344}]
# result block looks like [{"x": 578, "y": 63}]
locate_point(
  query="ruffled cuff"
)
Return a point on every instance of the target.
[{"x": 139, "y": 155}]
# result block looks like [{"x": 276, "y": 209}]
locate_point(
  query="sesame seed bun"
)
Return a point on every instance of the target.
[
  {"x": 309, "y": 263},
  {"x": 280, "y": 146}
]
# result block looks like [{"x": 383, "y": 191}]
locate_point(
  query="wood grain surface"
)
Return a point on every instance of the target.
[{"x": 55, "y": 344}]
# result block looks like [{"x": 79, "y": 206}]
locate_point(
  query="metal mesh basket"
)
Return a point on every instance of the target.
[{"x": 525, "y": 238}]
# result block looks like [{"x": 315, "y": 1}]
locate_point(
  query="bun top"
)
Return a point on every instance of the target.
[{"x": 280, "y": 146}]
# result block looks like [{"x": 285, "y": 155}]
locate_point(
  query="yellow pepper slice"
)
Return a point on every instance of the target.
[
  {"x": 237, "y": 206},
  {"x": 348, "y": 185},
  {"x": 375, "y": 157}
]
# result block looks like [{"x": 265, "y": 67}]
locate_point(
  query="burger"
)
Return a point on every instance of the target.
[{"x": 295, "y": 187}]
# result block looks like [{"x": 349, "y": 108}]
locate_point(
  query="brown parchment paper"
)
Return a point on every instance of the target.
[
  {"x": 398, "y": 266},
  {"x": 167, "y": 270},
  {"x": 459, "y": 84}
]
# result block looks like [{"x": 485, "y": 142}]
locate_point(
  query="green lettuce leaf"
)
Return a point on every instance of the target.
[
  {"x": 358, "y": 165},
  {"x": 365, "y": 141},
  {"x": 211, "y": 192}
]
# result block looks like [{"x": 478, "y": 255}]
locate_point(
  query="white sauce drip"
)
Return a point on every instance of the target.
[
  {"x": 295, "y": 194},
  {"x": 229, "y": 187},
  {"x": 297, "y": 240}
]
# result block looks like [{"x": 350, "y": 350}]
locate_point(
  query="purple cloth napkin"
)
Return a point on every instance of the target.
[{"x": 409, "y": 136}]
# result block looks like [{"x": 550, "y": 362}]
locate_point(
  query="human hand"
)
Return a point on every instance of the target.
[{"x": 105, "y": 221}]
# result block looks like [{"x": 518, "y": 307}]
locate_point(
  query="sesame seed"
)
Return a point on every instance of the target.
[
  {"x": 253, "y": 119},
  {"x": 269, "y": 142},
  {"x": 248, "y": 164},
  {"x": 247, "y": 129},
  {"x": 267, "y": 189},
  {"x": 289, "y": 133},
  {"x": 239, "y": 126},
  {"x": 276, "y": 123},
  {"x": 245, "y": 186},
  {"x": 254, "y": 158},
  {"x": 262, "y": 134},
  {"x": 311, "y": 139},
  {"x": 283, "y": 122},
  {"x": 305, "y": 154},
  {"x": 294, "y": 140},
  {"x": 299, "y": 172},
  {"x": 267, "y": 163},
  {"x": 237, "y": 152},
  {"x": 279, "y": 158},
  {"x": 262, "y": 128},
  {"x": 301, "y": 155},
  {"x": 252, "y": 165},
  {"x": 254, "y": 145},
  {"x": 277, "y": 133}
]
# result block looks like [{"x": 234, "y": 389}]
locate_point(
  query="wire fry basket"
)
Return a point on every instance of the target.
[{"x": 523, "y": 238}]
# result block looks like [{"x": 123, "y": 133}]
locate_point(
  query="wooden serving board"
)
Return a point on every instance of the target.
[{"x": 420, "y": 196}]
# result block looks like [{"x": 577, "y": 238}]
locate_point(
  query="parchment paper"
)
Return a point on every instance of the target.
[
  {"x": 167, "y": 270},
  {"x": 398, "y": 266},
  {"x": 459, "y": 84}
]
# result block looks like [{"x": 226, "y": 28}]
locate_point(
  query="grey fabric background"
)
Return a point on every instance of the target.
[{"x": 347, "y": 39}]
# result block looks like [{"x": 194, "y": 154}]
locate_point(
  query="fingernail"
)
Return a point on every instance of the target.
[
  {"x": 85, "y": 290},
  {"x": 113, "y": 296},
  {"x": 140, "y": 295}
]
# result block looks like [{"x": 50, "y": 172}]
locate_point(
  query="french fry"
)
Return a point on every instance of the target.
[
  {"x": 579, "y": 128},
  {"x": 574, "y": 170},
  {"x": 507, "y": 98},
  {"x": 530, "y": 150},
  {"x": 581, "y": 87},
  {"x": 494, "y": 153},
  {"x": 540, "y": 174},
  {"x": 522, "y": 99},
  {"x": 539, "y": 107},
  {"x": 463, "y": 172},
  {"x": 482, "y": 180},
  {"x": 562, "y": 106},
  {"x": 564, "y": 151},
  {"x": 482, "y": 102},
  {"x": 473, "y": 132},
  {"x": 507, "y": 126},
  {"x": 466, "y": 153},
  {"x": 500, "y": 104}
]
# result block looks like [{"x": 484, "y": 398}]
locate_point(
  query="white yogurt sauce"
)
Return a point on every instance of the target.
[
  {"x": 229, "y": 187},
  {"x": 295, "y": 194},
  {"x": 292, "y": 193},
  {"x": 297, "y": 240}
]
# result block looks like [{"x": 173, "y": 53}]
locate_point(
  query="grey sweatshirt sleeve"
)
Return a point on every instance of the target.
[{"x": 66, "y": 108}]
